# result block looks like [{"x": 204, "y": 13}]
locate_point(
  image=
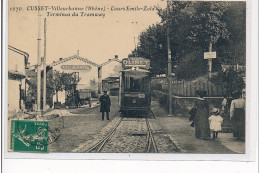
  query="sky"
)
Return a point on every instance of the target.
[{"x": 96, "y": 38}]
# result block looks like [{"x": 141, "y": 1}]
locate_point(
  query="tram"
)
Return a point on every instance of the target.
[{"x": 135, "y": 87}]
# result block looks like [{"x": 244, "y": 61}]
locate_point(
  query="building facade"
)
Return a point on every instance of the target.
[
  {"x": 84, "y": 70},
  {"x": 17, "y": 64},
  {"x": 109, "y": 71}
]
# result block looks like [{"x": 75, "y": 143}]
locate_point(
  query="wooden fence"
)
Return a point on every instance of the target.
[{"x": 189, "y": 88}]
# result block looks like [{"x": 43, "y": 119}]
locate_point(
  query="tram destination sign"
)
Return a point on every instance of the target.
[
  {"x": 136, "y": 62},
  {"x": 76, "y": 67}
]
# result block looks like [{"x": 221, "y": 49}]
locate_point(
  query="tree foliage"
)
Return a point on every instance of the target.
[
  {"x": 230, "y": 79},
  {"x": 193, "y": 26},
  {"x": 56, "y": 82}
]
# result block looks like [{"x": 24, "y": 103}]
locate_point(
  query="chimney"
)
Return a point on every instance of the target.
[{"x": 116, "y": 56}]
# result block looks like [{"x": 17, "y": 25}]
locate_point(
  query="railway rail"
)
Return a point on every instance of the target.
[
  {"x": 98, "y": 146},
  {"x": 150, "y": 145}
]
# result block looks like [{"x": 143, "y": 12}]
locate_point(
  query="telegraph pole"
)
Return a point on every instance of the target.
[
  {"x": 169, "y": 59},
  {"x": 39, "y": 64},
  {"x": 44, "y": 67}
]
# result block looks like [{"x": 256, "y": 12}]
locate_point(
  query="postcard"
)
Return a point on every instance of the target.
[{"x": 138, "y": 79}]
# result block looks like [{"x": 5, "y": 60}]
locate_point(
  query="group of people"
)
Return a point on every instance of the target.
[
  {"x": 204, "y": 121},
  {"x": 207, "y": 123}
]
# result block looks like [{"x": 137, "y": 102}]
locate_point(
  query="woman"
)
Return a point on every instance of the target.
[
  {"x": 201, "y": 122},
  {"x": 237, "y": 115}
]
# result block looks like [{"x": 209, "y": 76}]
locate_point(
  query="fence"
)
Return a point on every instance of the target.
[{"x": 189, "y": 88}]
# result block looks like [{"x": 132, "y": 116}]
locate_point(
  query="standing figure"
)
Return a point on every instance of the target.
[
  {"x": 225, "y": 110},
  {"x": 105, "y": 105},
  {"x": 224, "y": 104},
  {"x": 192, "y": 116},
  {"x": 215, "y": 121},
  {"x": 201, "y": 122},
  {"x": 237, "y": 115}
]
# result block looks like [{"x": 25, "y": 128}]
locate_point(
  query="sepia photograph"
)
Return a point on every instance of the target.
[{"x": 150, "y": 77}]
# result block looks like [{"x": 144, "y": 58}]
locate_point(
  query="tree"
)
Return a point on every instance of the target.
[
  {"x": 63, "y": 81},
  {"x": 193, "y": 26},
  {"x": 229, "y": 79},
  {"x": 31, "y": 95},
  {"x": 58, "y": 84}
]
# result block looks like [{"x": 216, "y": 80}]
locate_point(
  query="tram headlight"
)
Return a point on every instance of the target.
[{"x": 134, "y": 100}]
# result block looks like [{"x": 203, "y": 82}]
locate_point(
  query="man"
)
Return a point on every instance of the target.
[{"x": 105, "y": 105}]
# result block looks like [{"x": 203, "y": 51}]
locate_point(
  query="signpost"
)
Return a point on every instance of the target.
[
  {"x": 76, "y": 67},
  {"x": 210, "y": 55}
]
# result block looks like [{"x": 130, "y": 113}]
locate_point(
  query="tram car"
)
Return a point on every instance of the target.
[{"x": 135, "y": 87}]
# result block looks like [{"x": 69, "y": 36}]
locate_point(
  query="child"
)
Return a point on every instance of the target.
[{"x": 215, "y": 121}]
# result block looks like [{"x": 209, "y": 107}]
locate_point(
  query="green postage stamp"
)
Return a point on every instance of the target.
[{"x": 29, "y": 136}]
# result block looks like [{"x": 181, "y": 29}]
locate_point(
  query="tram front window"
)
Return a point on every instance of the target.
[{"x": 133, "y": 84}]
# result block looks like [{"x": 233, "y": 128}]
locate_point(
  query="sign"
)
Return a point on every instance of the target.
[
  {"x": 76, "y": 67},
  {"x": 209, "y": 55},
  {"x": 136, "y": 62}
]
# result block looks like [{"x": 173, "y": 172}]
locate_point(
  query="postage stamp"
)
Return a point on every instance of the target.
[{"x": 29, "y": 136}]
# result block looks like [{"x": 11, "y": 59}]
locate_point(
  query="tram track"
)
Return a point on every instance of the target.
[
  {"x": 101, "y": 144},
  {"x": 151, "y": 145},
  {"x": 98, "y": 146}
]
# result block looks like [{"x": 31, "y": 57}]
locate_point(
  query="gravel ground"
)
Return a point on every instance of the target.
[
  {"x": 83, "y": 128},
  {"x": 130, "y": 137}
]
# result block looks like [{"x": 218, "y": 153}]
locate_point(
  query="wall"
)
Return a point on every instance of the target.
[
  {"x": 13, "y": 96},
  {"x": 183, "y": 104},
  {"x": 16, "y": 62},
  {"x": 111, "y": 69}
]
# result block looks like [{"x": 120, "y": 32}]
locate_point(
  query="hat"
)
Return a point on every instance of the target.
[{"x": 215, "y": 111}]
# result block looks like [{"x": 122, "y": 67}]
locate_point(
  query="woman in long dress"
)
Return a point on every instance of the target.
[
  {"x": 201, "y": 123},
  {"x": 237, "y": 116}
]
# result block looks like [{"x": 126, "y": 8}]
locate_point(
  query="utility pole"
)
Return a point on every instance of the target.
[
  {"x": 39, "y": 65},
  {"x": 44, "y": 67},
  {"x": 169, "y": 59}
]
